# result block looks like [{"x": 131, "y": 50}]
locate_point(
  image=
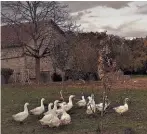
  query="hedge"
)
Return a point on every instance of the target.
[{"x": 6, "y": 72}]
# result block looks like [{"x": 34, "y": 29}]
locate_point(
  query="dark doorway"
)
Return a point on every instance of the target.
[{"x": 56, "y": 77}]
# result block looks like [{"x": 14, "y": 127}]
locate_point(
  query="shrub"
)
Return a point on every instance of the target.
[{"x": 6, "y": 72}]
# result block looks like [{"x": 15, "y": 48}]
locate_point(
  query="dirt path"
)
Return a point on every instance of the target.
[{"x": 135, "y": 83}]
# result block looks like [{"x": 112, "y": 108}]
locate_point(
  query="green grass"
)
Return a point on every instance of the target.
[
  {"x": 139, "y": 76},
  {"x": 13, "y": 99}
]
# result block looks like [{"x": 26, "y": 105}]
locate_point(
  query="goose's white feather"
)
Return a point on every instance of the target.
[
  {"x": 60, "y": 110},
  {"x": 46, "y": 118},
  {"x": 82, "y": 103},
  {"x": 51, "y": 120},
  {"x": 54, "y": 108},
  {"x": 49, "y": 109},
  {"x": 91, "y": 106},
  {"x": 54, "y": 122},
  {"x": 69, "y": 105},
  {"x": 100, "y": 106},
  {"x": 38, "y": 110},
  {"x": 50, "y": 114},
  {"x": 65, "y": 118},
  {"x": 123, "y": 108},
  {"x": 22, "y": 115},
  {"x": 62, "y": 103}
]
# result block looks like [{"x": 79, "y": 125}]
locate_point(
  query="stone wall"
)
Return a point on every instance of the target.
[
  {"x": 12, "y": 52},
  {"x": 14, "y": 63}
]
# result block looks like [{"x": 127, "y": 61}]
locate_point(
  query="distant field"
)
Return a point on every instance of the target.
[
  {"x": 14, "y": 97},
  {"x": 139, "y": 76}
]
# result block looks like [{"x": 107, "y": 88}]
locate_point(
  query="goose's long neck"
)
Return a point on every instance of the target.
[
  {"x": 25, "y": 108},
  {"x": 55, "y": 106},
  {"x": 61, "y": 94},
  {"x": 83, "y": 98},
  {"x": 126, "y": 104},
  {"x": 42, "y": 103},
  {"x": 49, "y": 107},
  {"x": 70, "y": 100}
]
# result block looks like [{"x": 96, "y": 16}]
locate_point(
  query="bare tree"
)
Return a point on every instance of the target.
[
  {"x": 35, "y": 19},
  {"x": 107, "y": 65},
  {"x": 83, "y": 55}
]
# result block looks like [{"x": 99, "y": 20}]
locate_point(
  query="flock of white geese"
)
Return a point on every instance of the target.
[{"x": 58, "y": 115}]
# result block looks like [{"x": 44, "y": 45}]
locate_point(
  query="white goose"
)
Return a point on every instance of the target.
[
  {"x": 49, "y": 108},
  {"x": 45, "y": 120},
  {"x": 51, "y": 120},
  {"x": 54, "y": 108},
  {"x": 49, "y": 114},
  {"x": 60, "y": 110},
  {"x": 91, "y": 106},
  {"x": 100, "y": 105},
  {"x": 38, "y": 110},
  {"x": 69, "y": 105},
  {"x": 22, "y": 115},
  {"x": 89, "y": 98},
  {"x": 122, "y": 109},
  {"x": 54, "y": 122},
  {"x": 82, "y": 103},
  {"x": 65, "y": 118}
]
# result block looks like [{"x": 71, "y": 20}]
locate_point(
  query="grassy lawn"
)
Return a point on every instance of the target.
[{"x": 13, "y": 99}]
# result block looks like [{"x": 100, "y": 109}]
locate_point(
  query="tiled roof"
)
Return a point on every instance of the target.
[{"x": 12, "y": 34}]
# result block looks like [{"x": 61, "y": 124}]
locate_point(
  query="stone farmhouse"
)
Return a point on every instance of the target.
[{"x": 12, "y": 54}]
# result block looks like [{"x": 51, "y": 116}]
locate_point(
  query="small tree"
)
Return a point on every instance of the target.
[{"x": 107, "y": 65}]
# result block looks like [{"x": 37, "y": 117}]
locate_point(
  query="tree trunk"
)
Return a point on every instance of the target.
[
  {"x": 104, "y": 99},
  {"x": 62, "y": 77},
  {"x": 37, "y": 70}
]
